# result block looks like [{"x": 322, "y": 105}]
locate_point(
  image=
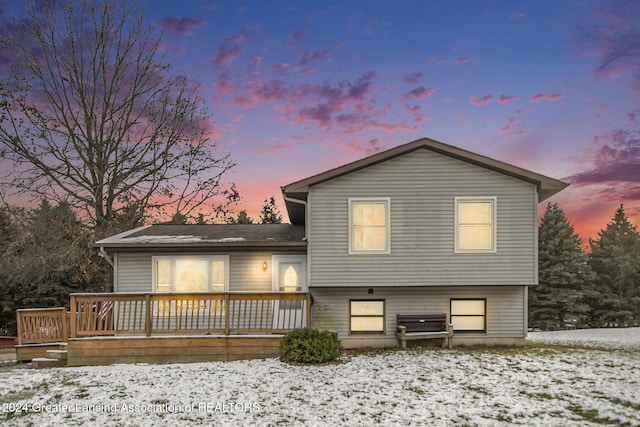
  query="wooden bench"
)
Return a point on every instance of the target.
[{"x": 422, "y": 327}]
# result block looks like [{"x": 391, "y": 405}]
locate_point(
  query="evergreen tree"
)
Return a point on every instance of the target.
[
  {"x": 564, "y": 274},
  {"x": 615, "y": 259},
  {"x": 270, "y": 213},
  {"x": 242, "y": 218},
  {"x": 45, "y": 255}
]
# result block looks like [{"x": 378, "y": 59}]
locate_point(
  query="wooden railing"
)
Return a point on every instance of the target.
[
  {"x": 42, "y": 325},
  {"x": 188, "y": 313}
]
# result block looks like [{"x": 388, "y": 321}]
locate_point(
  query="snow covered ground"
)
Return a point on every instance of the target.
[{"x": 537, "y": 385}]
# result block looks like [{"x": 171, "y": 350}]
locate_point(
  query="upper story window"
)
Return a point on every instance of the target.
[
  {"x": 475, "y": 224},
  {"x": 369, "y": 230},
  {"x": 185, "y": 273}
]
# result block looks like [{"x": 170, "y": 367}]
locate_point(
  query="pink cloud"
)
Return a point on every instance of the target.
[
  {"x": 223, "y": 84},
  {"x": 483, "y": 100},
  {"x": 505, "y": 99},
  {"x": 231, "y": 47},
  {"x": 419, "y": 93},
  {"x": 280, "y": 67},
  {"x": 517, "y": 15},
  {"x": 181, "y": 26},
  {"x": 311, "y": 57},
  {"x": 369, "y": 147},
  {"x": 413, "y": 78},
  {"x": 298, "y": 36},
  {"x": 614, "y": 36},
  {"x": 538, "y": 97},
  {"x": 462, "y": 60},
  {"x": 417, "y": 113},
  {"x": 278, "y": 148},
  {"x": 461, "y": 117},
  {"x": 512, "y": 129}
]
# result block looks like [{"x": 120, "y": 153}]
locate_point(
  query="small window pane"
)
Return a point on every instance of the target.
[
  {"x": 217, "y": 276},
  {"x": 369, "y": 225},
  {"x": 475, "y": 213},
  {"x": 468, "y": 323},
  {"x": 475, "y": 228},
  {"x": 163, "y": 275},
  {"x": 367, "y": 324},
  {"x": 468, "y": 307},
  {"x": 367, "y": 308},
  {"x": 369, "y": 238},
  {"x": 475, "y": 237},
  {"x": 191, "y": 275},
  {"x": 365, "y": 213}
]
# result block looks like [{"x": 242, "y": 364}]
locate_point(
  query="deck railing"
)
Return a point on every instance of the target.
[
  {"x": 42, "y": 325},
  {"x": 188, "y": 313}
]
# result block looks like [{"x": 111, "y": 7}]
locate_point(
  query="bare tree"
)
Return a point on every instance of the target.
[{"x": 91, "y": 115}]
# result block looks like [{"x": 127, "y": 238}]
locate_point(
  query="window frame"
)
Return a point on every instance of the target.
[
  {"x": 494, "y": 226},
  {"x": 383, "y": 315},
  {"x": 353, "y": 201},
  {"x": 470, "y": 331},
  {"x": 172, "y": 258}
]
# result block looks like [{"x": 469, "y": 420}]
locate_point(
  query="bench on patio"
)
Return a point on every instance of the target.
[{"x": 422, "y": 327}]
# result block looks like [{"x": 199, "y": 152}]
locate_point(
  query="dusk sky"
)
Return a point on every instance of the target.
[{"x": 299, "y": 87}]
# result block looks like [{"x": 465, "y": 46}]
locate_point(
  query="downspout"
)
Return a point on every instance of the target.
[
  {"x": 306, "y": 239},
  {"x": 103, "y": 254}
]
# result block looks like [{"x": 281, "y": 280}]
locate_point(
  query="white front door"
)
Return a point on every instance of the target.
[{"x": 289, "y": 275}]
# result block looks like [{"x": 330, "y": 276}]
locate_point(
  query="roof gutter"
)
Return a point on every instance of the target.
[{"x": 306, "y": 211}]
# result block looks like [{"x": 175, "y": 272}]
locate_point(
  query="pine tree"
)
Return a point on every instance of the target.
[
  {"x": 615, "y": 259},
  {"x": 242, "y": 218},
  {"x": 270, "y": 213},
  {"x": 564, "y": 274}
]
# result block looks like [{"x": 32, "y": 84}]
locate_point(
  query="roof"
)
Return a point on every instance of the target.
[
  {"x": 299, "y": 190},
  {"x": 209, "y": 237}
]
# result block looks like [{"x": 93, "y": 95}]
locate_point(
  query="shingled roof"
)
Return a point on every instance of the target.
[{"x": 209, "y": 237}]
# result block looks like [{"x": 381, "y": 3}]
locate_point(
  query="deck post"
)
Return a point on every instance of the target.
[
  {"x": 19, "y": 326},
  {"x": 227, "y": 326},
  {"x": 73, "y": 308},
  {"x": 308, "y": 320},
  {"x": 147, "y": 315}
]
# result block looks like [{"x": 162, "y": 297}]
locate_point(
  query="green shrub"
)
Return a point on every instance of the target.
[{"x": 309, "y": 345}]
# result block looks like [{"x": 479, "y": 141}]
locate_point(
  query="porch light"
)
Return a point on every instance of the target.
[{"x": 264, "y": 267}]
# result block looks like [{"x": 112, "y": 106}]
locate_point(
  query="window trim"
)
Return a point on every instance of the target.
[
  {"x": 494, "y": 226},
  {"x": 384, "y": 317},
  {"x": 173, "y": 258},
  {"x": 387, "y": 203},
  {"x": 470, "y": 331}
]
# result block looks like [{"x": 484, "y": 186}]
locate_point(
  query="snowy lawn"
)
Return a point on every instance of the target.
[{"x": 542, "y": 384}]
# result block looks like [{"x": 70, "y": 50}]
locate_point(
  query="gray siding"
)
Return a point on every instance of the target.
[
  {"x": 505, "y": 307},
  {"x": 422, "y": 186},
  {"x": 133, "y": 272}
]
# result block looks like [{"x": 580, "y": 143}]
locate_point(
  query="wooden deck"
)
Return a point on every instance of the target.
[
  {"x": 160, "y": 328},
  {"x": 170, "y": 349}
]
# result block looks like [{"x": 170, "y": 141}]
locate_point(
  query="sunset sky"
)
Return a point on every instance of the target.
[{"x": 299, "y": 87}]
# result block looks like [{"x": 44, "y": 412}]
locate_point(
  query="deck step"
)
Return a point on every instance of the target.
[
  {"x": 47, "y": 362},
  {"x": 57, "y": 354}
]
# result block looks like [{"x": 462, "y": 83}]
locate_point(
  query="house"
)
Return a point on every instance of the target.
[{"x": 424, "y": 227}]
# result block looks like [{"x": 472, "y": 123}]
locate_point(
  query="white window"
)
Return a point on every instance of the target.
[
  {"x": 475, "y": 224},
  {"x": 185, "y": 273},
  {"x": 369, "y": 231},
  {"x": 367, "y": 316},
  {"x": 469, "y": 315}
]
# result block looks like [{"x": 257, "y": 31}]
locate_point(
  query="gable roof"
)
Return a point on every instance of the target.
[
  {"x": 208, "y": 237},
  {"x": 546, "y": 186}
]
